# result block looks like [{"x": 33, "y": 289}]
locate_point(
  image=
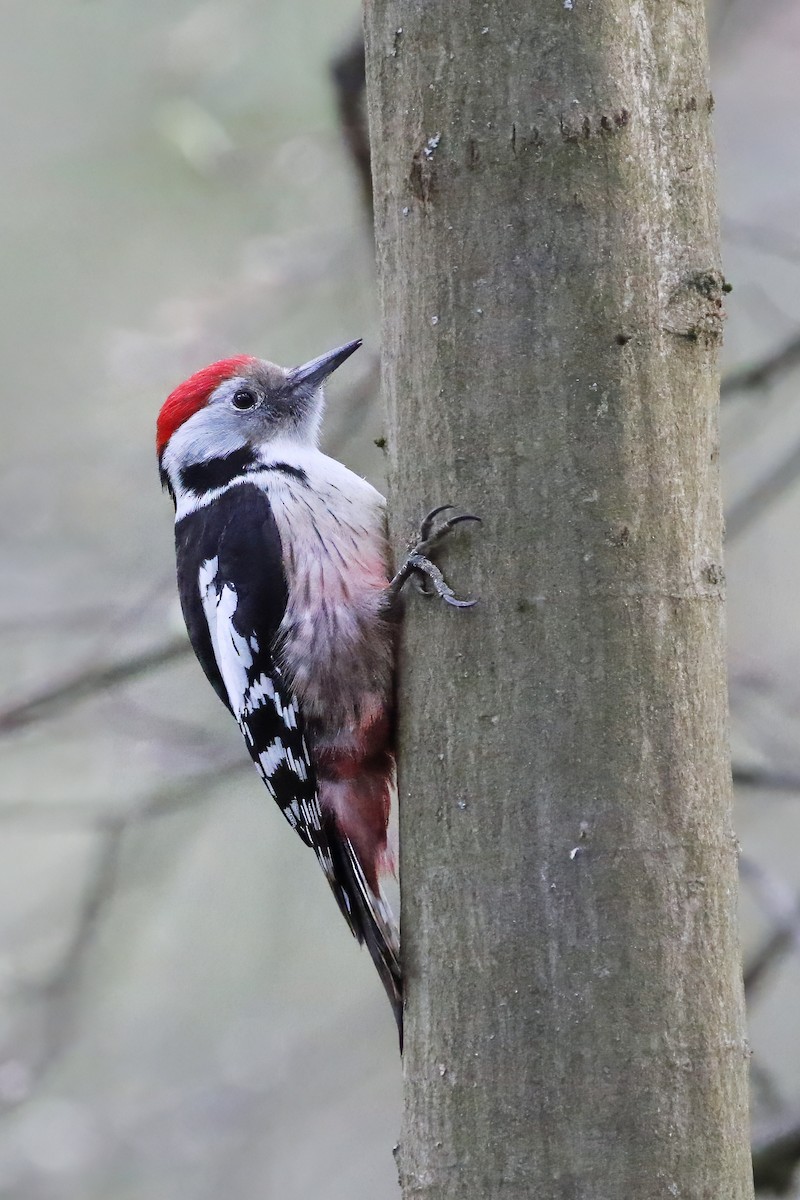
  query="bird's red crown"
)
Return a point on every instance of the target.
[{"x": 190, "y": 396}]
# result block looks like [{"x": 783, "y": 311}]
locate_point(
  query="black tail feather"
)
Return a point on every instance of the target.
[{"x": 370, "y": 920}]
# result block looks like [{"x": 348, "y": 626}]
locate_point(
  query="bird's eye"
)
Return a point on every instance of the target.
[{"x": 243, "y": 399}]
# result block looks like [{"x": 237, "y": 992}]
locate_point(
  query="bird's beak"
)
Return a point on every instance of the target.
[{"x": 312, "y": 374}]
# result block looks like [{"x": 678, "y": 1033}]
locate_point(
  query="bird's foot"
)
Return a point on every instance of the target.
[{"x": 417, "y": 563}]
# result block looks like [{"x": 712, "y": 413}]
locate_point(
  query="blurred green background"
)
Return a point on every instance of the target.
[{"x": 182, "y": 1011}]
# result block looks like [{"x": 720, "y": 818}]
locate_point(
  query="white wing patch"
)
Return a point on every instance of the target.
[
  {"x": 261, "y": 704},
  {"x": 233, "y": 654},
  {"x": 273, "y": 756},
  {"x": 263, "y": 689}
]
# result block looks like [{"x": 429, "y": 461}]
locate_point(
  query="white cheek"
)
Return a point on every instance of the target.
[{"x": 212, "y": 433}]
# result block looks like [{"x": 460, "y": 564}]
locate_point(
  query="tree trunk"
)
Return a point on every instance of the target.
[{"x": 552, "y": 308}]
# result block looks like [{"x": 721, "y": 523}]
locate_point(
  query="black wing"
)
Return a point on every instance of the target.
[{"x": 233, "y": 595}]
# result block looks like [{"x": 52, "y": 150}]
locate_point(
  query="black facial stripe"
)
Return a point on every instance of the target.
[
  {"x": 163, "y": 475},
  {"x": 218, "y": 472},
  {"x": 288, "y": 469}
]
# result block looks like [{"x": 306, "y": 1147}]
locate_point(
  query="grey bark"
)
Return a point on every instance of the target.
[{"x": 552, "y": 307}]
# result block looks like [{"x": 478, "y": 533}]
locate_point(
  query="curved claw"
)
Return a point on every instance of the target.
[
  {"x": 454, "y": 602},
  {"x": 417, "y": 565},
  {"x": 438, "y": 586},
  {"x": 425, "y": 527},
  {"x": 451, "y": 521},
  {"x": 443, "y": 591},
  {"x": 433, "y": 537}
]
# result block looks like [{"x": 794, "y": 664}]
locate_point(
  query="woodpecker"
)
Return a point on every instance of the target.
[{"x": 291, "y": 607}]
